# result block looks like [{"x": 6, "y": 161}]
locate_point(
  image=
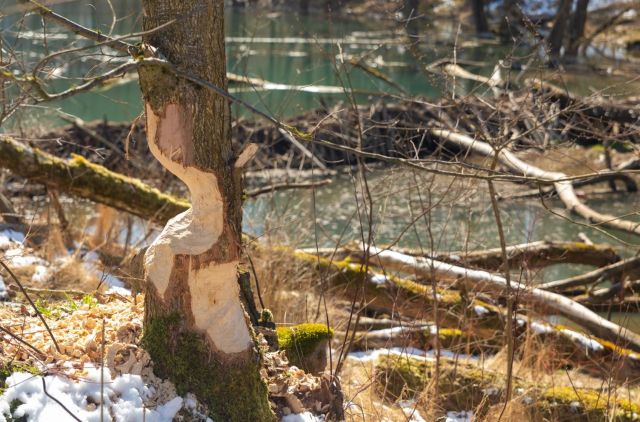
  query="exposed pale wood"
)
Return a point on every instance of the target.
[{"x": 196, "y": 329}]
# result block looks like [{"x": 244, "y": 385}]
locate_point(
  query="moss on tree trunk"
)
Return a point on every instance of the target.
[{"x": 196, "y": 330}]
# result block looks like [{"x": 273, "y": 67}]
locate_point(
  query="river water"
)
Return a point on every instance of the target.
[{"x": 311, "y": 51}]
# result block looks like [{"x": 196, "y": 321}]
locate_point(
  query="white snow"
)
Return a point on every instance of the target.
[
  {"x": 464, "y": 416},
  {"x": 3, "y": 289},
  {"x": 300, "y": 417},
  {"x": 480, "y": 310},
  {"x": 586, "y": 341},
  {"x": 40, "y": 275},
  {"x": 540, "y": 328},
  {"x": 16, "y": 257},
  {"x": 8, "y": 237},
  {"x": 379, "y": 279},
  {"x": 409, "y": 409},
  {"x": 115, "y": 284},
  {"x": 373, "y": 355},
  {"x": 123, "y": 398}
]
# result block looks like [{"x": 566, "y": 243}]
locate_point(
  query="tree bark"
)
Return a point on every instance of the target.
[
  {"x": 556, "y": 36},
  {"x": 479, "y": 16},
  {"x": 578, "y": 23},
  {"x": 531, "y": 255},
  {"x": 196, "y": 330}
]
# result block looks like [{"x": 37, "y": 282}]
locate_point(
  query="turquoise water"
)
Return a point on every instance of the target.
[{"x": 283, "y": 48}]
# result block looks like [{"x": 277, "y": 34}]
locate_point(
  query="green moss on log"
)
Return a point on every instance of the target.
[
  {"x": 82, "y": 178},
  {"x": 571, "y": 404},
  {"x": 305, "y": 345},
  {"x": 464, "y": 386},
  {"x": 187, "y": 362}
]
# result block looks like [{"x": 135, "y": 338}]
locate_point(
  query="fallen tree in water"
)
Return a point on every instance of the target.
[
  {"x": 468, "y": 323},
  {"x": 560, "y": 181},
  {"x": 627, "y": 268}
]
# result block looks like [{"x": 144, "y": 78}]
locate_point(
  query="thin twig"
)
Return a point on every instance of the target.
[
  {"x": 44, "y": 387},
  {"x": 33, "y": 305},
  {"x": 15, "y": 337}
]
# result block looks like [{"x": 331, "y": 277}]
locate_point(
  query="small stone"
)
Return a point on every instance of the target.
[{"x": 286, "y": 411}]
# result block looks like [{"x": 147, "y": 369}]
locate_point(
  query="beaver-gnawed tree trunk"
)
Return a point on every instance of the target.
[{"x": 195, "y": 327}]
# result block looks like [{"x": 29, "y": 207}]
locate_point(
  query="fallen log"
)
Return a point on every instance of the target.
[
  {"x": 534, "y": 255},
  {"x": 82, "y": 178},
  {"x": 629, "y": 184},
  {"x": 602, "y": 110},
  {"x": 428, "y": 268},
  {"x": 563, "y": 187},
  {"x": 482, "y": 323},
  {"x": 630, "y": 266}
]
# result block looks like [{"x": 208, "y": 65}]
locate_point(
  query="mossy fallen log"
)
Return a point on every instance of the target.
[
  {"x": 427, "y": 337},
  {"x": 306, "y": 345},
  {"x": 429, "y": 268},
  {"x": 84, "y": 179},
  {"x": 465, "y": 386},
  {"x": 479, "y": 325},
  {"x": 532, "y": 255},
  {"x": 598, "y": 110}
]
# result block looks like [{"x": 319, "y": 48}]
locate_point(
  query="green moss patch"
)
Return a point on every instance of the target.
[
  {"x": 305, "y": 344},
  {"x": 185, "y": 359}
]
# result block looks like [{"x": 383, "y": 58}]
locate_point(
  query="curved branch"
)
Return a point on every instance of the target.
[{"x": 560, "y": 181}]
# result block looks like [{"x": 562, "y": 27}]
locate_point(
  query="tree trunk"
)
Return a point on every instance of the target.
[
  {"x": 195, "y": 327},
  {"x": 507, "y": 27},
  {"x": 556, "y": 36},
  {"x": 578, "y": 22},
  {"x": 479, "y": 16}
]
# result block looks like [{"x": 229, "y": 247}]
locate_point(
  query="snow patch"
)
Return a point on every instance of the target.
[
  {"x": 301, "y": 417},
  {"x": 540, "y": 328},
  {"x": 464, "y": 416},
  {"x": 480, "y": 310},
  {"x": 16, "y": 258},
  {"x": 379, "y": 279},
  {"x": 9, "y": 237},
  {"x": 41, "y": 274},
  {"x": 586, "y": 341},
  {"x": 410, "y": 411},
  {"x": 123, "y": 398}
]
